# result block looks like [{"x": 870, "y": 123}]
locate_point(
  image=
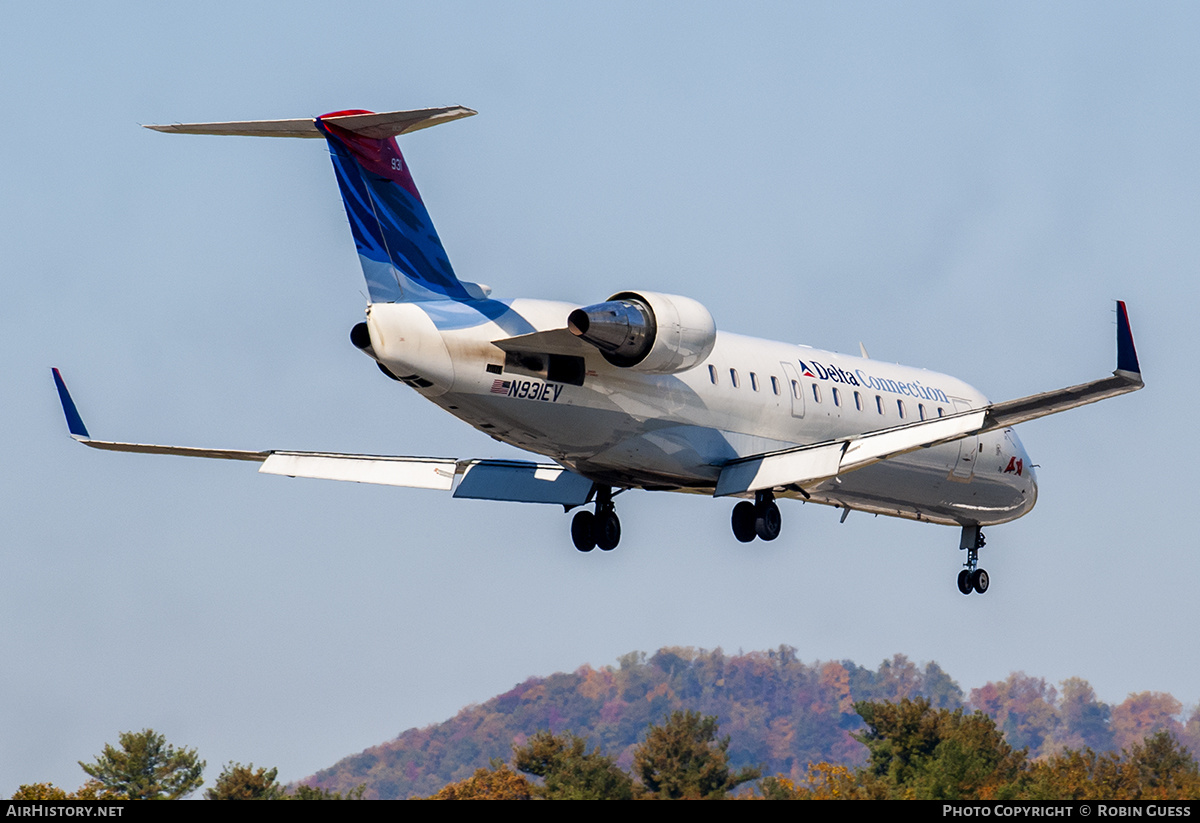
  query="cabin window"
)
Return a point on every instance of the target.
[
  {"x": 921, "y": 410},
  {"x": 775, "y": 384},
  {"x": 712, "y": 374},
  {"x": 796, "y": 389},
  {"x": 754, "y": 381},
  {"x": 940, "y": 412},
  {"x": 900, "y": 408},
  {"x": 837, "y": 397},
  {"x": 879, "y": 404},
  {"x": 733, "y": 378},
  {"x": 816, "y": 392},
  {"x": 858, "y": 401}
]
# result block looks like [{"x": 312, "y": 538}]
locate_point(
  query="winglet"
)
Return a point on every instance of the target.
[
  {"x": 74, "y": 421},
  {"x": 1127, "y": 360}
]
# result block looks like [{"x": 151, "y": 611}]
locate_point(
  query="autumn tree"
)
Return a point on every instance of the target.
[
  {"x": 1165, "y": 769},
  {"x": 91, "y": 790},
  {"x": 306, "y": 792},
  {"x": 682, "y": 758},
  {"x": 1084, "y": 719},
  {"x": 497, "y": 783},
  {"x": 146, "y": 767},
  {"x": 825, "y": 781},
  {"x": 238, "y": 782},
  {"x": 569, "y": 771},
  {"x": 1142, "y": 714},
  {"x": 1023, "y": 708},
  {"x": 922, "y": 753},
  {"x": 1158, "y": 768}
]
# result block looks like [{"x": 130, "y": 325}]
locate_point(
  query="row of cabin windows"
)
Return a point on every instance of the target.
[{"x": 816, "y": 392}]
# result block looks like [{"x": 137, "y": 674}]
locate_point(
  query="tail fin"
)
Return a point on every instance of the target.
[{"x": 402, "y": 257}]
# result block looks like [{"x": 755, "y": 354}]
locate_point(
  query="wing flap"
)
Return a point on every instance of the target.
[
  {"x": 781, "y": 469},
  {"x": 412, "y": 472},
  {"x": 520, "y": 482},
  {"x": 876, "y": 446}
]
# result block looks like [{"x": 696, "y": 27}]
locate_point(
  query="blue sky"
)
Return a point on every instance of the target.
[{"x": 964, "y": 187}]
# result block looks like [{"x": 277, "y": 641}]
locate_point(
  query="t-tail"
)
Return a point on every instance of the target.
[{"x": 402, "y": 257}]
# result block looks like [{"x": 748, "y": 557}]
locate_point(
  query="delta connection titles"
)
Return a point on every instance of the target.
[
  {"x": 1101, "y": 810},
  {"x": 860, "y": 378}
]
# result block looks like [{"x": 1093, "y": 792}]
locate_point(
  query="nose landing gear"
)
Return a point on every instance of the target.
[
  {"x": 758, "y": 519},
  {"x": 601, "y": 529},
  {"x": 972, "y": 578}
]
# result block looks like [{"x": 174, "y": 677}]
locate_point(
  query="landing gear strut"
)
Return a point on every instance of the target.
[
  {"x": 758, "y": 519},
  {"x": 972, "y": 578},
  {"x": 601, "y": 529}
]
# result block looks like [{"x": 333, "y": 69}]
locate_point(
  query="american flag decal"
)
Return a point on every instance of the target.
[{"x": 500, "y": 386}]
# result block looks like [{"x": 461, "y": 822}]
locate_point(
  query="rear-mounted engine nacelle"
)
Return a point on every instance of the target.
[{"x": 647, "y": 331}]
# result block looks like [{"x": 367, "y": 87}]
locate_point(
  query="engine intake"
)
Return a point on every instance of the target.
[{"x": 647, "y": 331}]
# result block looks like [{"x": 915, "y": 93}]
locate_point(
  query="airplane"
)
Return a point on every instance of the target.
[{"x": 641, "y": 391}]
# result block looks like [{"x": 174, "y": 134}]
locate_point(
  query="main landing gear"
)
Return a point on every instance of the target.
[
  {"x": 601, "y": 529},
  {"x": 758, "y": 519},
  {"x": 972, "y": 578}
]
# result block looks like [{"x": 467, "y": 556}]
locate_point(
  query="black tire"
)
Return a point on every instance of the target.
[
  {"x": 744, "y": 521},
  {"x": 769, "y": 521},
  {"x": 608, "y": 531},
  {"x": 583, "y": 531},
  {"x": 980, "y": 581},
  {"x": 964, "y": 582}
]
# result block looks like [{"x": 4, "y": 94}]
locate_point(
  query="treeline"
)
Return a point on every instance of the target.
[
  {"x": 146, "y": 767},
  {"x": 779, "y": 713},
  {"x": 916, "y": 752},
  {"x": 778, "y": 716}
]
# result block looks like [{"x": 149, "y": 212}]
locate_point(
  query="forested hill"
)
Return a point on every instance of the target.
[{"x": 779, "y": 713}]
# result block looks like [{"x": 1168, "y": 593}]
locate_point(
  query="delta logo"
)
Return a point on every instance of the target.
[{"x": 833, "y": 373}]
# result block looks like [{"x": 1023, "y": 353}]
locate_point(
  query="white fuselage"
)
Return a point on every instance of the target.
[{"x": 674, "y": 432}]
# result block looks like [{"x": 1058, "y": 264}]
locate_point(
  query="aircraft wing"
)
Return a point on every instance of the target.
[
  {"x": 810, "y": 464},
  {"x": 813, "y": 463},
  {"x": 515, "y": 481}
]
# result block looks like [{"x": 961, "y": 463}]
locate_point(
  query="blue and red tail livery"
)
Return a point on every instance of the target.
[{"x": 402, "y": 257}]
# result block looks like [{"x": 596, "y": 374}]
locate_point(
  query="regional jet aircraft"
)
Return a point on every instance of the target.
[{"x": 641, "y": 391}]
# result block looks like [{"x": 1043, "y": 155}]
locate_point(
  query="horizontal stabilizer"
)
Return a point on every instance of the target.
[{"x": 377, "y": 126}]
